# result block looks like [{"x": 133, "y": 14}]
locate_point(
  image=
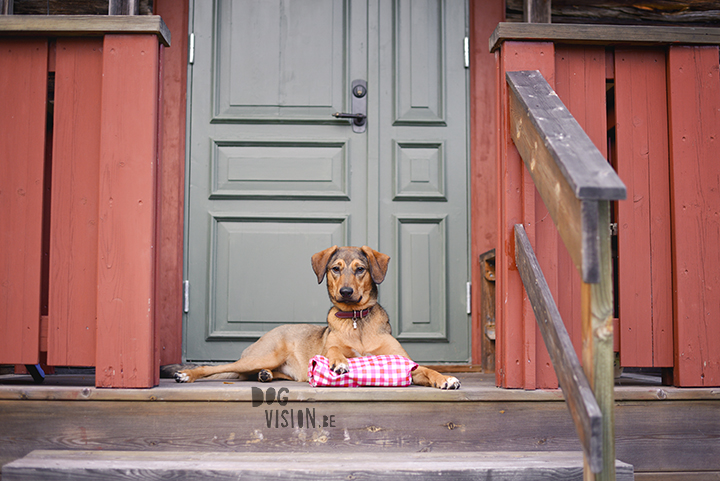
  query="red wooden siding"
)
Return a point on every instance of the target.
[
  {"x": 668, "y": 248},
  {"x": 74, "y": 213},
  {"x": 172, "y": 187},
  {"x": 578, "y": 75},
  {"x": 100, "y": 173},
  {"x": 128, "y": 167},
  {"x": 580, "y": 84},
  {"x": 484, "y": 17},
  {"x": 694, "y": 120},
  {"x": 645, "y": 281},
  {"x": 524, "y": 361},
  {"x": 21, "y": 195}
]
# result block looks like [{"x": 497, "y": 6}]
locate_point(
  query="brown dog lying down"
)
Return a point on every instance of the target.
[{"x": 356, "y": 326}]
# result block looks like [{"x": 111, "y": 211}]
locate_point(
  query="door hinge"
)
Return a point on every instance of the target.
[
  {"x": 466, "y": 43},
  {"x": 186, "y": 296},
  {"x": 468, "y": 294},
  {"x": 191, "y": 49}
]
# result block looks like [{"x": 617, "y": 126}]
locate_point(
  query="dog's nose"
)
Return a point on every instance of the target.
[{"x": 346, "y": 291}]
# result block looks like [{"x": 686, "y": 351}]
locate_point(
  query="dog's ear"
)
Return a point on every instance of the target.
[
  {"x": 320, "y": 262},
  {"x": 378, "y": 263}
]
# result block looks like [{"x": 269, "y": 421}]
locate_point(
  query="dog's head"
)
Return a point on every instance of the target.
[{"x": 352, "y": 275}]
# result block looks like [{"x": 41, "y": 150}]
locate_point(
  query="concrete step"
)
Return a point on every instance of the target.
[{"x": 123, "y": 465}]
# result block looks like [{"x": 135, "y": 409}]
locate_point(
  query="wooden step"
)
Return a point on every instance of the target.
[
  {"x": 178, "y": 465},
  {"x": 68, "y": 412}
]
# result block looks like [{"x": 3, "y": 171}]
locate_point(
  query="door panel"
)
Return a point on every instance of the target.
[
  {"x": 280, "y": 60},
  {"x": 423, "y": 176},
  {"x": 274, "y": 177}
]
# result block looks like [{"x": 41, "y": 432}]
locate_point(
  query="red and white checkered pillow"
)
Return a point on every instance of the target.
[{"x": 386, "y": 370}]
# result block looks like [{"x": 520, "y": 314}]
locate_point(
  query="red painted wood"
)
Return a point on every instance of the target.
[
  {"x": 644, "y": 229},
  {"x": 484, "y": 17},
  {"x": 74, "y": 213},
  {"x": 23, "y": 95},
  {"x": 694, "y": 120},
  {"x": 580, "y": 74},
  {"x": 519, "y": 364},
  {"x": 171, "y": 223},
  {"x": 126, "y": 257}
]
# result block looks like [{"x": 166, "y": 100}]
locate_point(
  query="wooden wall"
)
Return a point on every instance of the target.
[
  {"x": 23, "y": 96},
  {"x": 115, "y": 199},
  {"x": 172, "y": 186},
  {"x": 522, "y": 361},
  {"x": 484, "y": 17},
  {"x": 668, "y": 252},
  {"x": 644, "y": 224},
  {"x": 694, "y": 121},
  {"x": 73, "y": 279}
]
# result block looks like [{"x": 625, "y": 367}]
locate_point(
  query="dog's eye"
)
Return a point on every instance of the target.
[
  {"x": 359, "y": 270},
  {"x": 336, "y": 269}
]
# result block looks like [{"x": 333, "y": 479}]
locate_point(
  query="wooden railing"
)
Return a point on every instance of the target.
[{"x": 576, "y": 184}]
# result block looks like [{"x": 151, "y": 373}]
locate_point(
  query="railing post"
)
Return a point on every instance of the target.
[{"x": 597, "y": 353}]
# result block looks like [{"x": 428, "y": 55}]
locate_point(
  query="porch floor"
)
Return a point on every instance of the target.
[{"x": 476, "y": 387}]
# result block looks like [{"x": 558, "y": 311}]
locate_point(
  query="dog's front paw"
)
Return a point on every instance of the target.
[
  {"x": 182, "y": 376},
  {"x": 340, "y": 368},
  {"x": 450, "y": 383}
]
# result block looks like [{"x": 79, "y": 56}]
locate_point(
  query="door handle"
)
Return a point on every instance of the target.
[{"x": 359, "y": 107}]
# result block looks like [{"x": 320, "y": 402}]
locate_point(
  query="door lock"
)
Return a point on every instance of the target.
[{"x": 359, "y": 107}]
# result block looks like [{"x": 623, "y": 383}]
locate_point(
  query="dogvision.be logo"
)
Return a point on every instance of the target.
[{"x": 287, "y": 418}]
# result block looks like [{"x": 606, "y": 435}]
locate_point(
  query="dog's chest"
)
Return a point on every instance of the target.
[{"x": 362, "y": 343}]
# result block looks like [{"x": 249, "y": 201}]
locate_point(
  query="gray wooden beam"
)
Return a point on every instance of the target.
[
  {"x": 585, "y": 169},
  {"x": 123, "y": 7},
  {"x": 537, "y": 11},
  {"x": 603, "y": 34},
  {"x": 575, "y": 386},
  {"x": 569, "y": 172},
  {"x": 6, "y": 7},
  {"x": 83, "y": 25}
]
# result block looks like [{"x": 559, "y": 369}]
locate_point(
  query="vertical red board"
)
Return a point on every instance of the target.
[
  {"x": 74, "y": 214},
  {"x": 127, "y": 203},
  {"x": 23, "y": 97},
  {"x": 580, "y": 73},
  {"x": 644, "y": 229},
  {"x": 484, "y": 17},
  {"x": 172, "y": 185},
  {"x": 522, "y": 360},
  {"x": 694, "y": 120}
]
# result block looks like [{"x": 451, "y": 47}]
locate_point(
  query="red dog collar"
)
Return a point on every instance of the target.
[{"x": 354, "y": 315}]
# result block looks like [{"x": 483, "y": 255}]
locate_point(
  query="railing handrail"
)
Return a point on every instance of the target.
[
  {"x": 576, "y": 389},
  {"x": 576, "y": 184},
  {"x": 585, "y": 169},
  {"x": 569, "y": 172}
]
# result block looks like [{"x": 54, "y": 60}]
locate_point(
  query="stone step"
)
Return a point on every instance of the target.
[{"x": 43, "y": 465}]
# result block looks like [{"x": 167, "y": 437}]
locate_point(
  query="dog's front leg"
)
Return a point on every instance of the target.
[
  {"x": 424, "y": 376},
  {"x": 337, "y": 360}
]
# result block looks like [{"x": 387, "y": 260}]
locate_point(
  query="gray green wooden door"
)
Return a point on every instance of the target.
[{"x": 274, "y": 178}]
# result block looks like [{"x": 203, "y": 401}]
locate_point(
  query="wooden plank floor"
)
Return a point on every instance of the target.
[
  {"x": 662, "y": 431},
  {"x": 489, "y": 466},
  {"x": 475, "y": 387}
]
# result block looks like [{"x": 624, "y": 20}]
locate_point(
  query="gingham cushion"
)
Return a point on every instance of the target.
[{"x": 386, "y": 370}]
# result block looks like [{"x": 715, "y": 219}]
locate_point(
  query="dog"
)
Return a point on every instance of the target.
[{"x": 356, "y": 326}]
